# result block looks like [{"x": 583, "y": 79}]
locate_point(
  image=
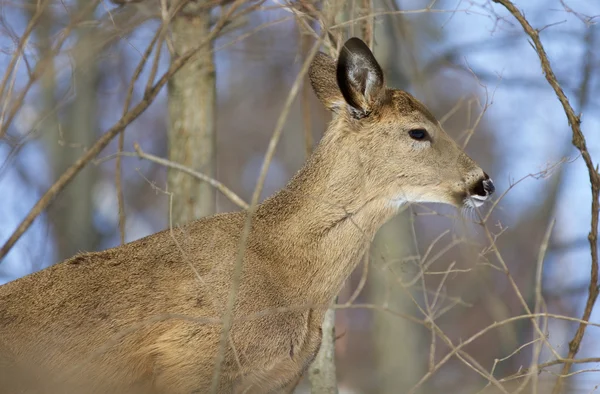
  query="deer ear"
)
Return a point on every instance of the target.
[
  {"x": 360, "y": 78},
  {"x": 323, "y": 80}
]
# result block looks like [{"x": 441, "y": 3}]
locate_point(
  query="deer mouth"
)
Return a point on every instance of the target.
[
  {"x": 480, "y": 192},
  {"x": 475, "y": 201}
]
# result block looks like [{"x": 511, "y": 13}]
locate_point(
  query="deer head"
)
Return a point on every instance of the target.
[{"x": 403, "y": 148}]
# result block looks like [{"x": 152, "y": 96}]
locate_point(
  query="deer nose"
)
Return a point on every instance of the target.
[
  {"x": 484, "y": 187},
  {"x": 488, "y": 185}
]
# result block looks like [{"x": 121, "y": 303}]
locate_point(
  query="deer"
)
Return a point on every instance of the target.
[{"x": 88, "y": 324}]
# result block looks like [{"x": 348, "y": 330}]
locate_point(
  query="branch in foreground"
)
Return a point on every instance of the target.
[
  {"x": 237, "y": 269},
  {"x": 322, "y": 372},
  {"x": 237, "y": 200},
  {"x": 579, "y": 142}
]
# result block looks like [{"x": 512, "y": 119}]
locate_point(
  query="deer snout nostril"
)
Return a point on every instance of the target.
[
  {"x": 484, "y": 187},
  {"x": 488, "y": 185}
]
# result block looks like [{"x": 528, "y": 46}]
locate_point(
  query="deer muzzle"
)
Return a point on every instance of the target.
[{"x": 481, "y": 191}]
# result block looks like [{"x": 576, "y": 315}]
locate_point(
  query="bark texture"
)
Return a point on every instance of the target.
[
  {"x": 322, "y": 371},
  {"x": 192, "y": 104}
]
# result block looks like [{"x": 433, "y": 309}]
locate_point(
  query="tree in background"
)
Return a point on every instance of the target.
[
  {"x": 192, "y": 106},
  {"x": 69, "y": 129}
]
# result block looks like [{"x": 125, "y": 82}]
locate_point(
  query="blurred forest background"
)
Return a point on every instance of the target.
[{"x": 77, "y": 73}]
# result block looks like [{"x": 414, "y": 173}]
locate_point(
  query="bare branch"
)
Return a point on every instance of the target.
[
  {"x": 237, "y": 200},
  {"x": 579, "y": 142},
  {"x": 237, "y": 270}
]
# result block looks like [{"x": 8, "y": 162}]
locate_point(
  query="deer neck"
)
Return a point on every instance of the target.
[{"x": 323, "y": 221}]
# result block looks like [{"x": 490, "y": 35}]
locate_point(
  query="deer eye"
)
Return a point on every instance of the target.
[{"x": 417, "y": 134}]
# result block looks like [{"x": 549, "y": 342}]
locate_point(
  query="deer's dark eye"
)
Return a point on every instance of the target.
[{"x": 417, "y": 134}]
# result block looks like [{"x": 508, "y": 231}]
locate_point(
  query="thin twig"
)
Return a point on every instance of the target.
[
  {"x": 230, "y": 194},
  {"x": 237, "y": 270},
  {"x": 579, "y": 142},
  {"x": 362, "y": 281},
  {"x": 136, "y": 75},
  {"x": 21, "y": 45},
  {"x": 367, "y": 24},
  {"x": 305, "y": 102},
  {"x": 119, "y": 187},
  {"x": 539, "y": 300},
  {"x": 37, "y": 72},
  {"x": 322, "y": 372}
]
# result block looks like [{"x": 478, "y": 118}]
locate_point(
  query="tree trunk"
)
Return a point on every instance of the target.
[
  {"x": 192, "y": 102},
  {"x": 71, "y": 215},
  {"x": 322, "y": 371}
]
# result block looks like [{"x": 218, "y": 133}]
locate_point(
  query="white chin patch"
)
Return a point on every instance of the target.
[{"x": 474, "y": 201}]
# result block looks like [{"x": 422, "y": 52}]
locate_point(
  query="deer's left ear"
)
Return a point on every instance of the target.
[{"x": 360, "y": 78}]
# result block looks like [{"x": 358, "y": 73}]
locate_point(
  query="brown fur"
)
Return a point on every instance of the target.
[{"x": 144, "y": 317}]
